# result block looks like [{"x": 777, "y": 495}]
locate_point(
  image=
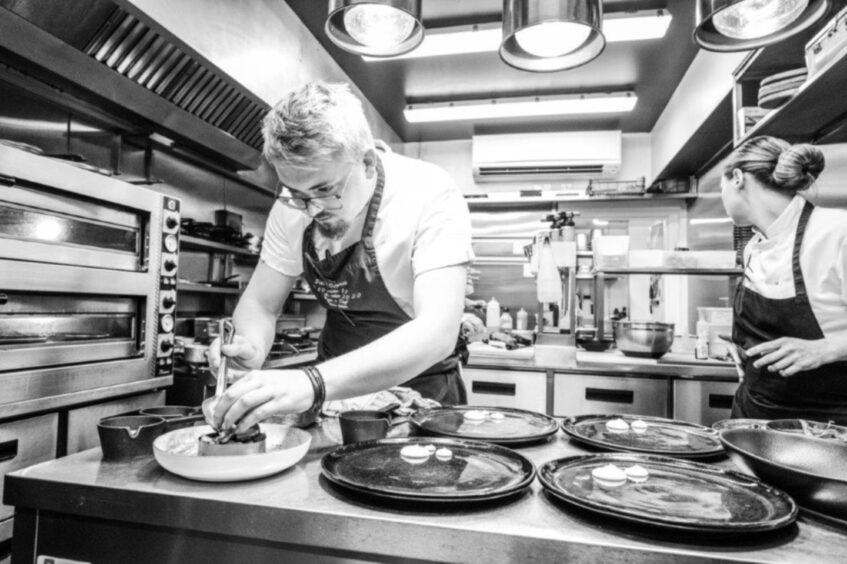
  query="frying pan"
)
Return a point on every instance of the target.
[{"x": 813, "y": 471}]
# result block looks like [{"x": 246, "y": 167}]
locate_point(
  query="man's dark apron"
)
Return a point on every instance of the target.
[
  {"x": 360, "y": 309},
  {"x": 819, "y": 394}
]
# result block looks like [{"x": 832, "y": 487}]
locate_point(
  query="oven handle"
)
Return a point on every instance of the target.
[
  {"x": 4, "y": 299},
  {"x": 8, "y": 450},
  {"x": 7, "y": 180}
]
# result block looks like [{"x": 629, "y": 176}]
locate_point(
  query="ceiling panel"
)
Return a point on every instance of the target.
[{"x": 651, "y": 68}]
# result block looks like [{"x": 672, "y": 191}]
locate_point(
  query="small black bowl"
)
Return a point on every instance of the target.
[
  {"x": 594, "y": 345},
  {"x": 128, "y": 436}
]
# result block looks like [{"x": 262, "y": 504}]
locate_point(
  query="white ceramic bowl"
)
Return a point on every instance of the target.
[{"x": 177, "y": 452}]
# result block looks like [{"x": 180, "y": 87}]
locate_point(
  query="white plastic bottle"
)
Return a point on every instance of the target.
[
  {"x": 701, "y": 346},
  {"x": 492, "y": 315},
  {"x": 522, "y": 320},
  {"x": 505, "y": 320}
]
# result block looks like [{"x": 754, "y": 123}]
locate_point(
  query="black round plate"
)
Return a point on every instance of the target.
[
  {"x": 515, "y": 427},
  {"x": 678, "y": 495},
  {"x": 476, "y": 472},
  {"x": 663, "y": 436}
]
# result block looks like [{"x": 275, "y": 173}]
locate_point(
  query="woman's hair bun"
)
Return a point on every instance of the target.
[{"x": 797, "y": 167}]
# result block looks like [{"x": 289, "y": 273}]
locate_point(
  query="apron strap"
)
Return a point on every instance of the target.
[
  {"x": 799, "y": 284},
  {"x": 373, "y": 208}
]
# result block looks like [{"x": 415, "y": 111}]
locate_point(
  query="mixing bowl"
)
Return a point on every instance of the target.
[{"x": 647, "y": 339}]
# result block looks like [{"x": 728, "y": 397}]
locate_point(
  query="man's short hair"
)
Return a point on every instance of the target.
[{"x": 316, "y": 124}]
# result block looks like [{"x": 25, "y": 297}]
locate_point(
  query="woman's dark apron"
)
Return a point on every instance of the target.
[
  {"x": 360, "y": 309},
  {"x": 819, "y": 394}
]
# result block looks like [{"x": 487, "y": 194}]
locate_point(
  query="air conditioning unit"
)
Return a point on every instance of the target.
[{"x": 546, "y": 156}]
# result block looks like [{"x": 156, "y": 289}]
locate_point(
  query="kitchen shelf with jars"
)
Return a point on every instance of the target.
[{"x": 793, "y": 89}]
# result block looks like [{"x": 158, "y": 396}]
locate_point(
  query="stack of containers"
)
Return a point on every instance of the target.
[{"x": 711, "y": 323}]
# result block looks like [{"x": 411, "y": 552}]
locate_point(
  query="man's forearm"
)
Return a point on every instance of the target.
[
  {"x": 254, "y": 323},
  {"x": 390, "y": 360}
]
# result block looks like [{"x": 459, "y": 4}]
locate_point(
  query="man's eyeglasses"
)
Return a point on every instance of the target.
[{"x": 330, "y": 198}]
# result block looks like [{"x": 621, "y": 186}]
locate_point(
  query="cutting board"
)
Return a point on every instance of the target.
[{"x": 482, "y": 350}]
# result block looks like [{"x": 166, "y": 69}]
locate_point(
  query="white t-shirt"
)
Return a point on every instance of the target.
[
  {"x": 823, "y": 260},
  {"x": 423, "y": 224}
]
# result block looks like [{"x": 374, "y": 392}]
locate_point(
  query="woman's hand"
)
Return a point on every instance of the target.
[
  {"x": 260, "y": 394},
  {"x": 789, "y": 356},
  {"x": 243, "y": 354}
]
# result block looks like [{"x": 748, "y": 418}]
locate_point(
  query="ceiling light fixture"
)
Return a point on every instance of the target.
[
  {"x": 739, "y": 25},
  {"x": 614, "y": 102},
  {"x": 379, "y": 28},
  {"x": 480, "y": 38},
  {"x": 543, "y": 36}
]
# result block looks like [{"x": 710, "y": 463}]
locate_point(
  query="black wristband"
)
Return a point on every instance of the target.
[{"x": 318, "y": 389}]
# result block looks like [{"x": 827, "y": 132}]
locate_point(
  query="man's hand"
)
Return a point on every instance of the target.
[
  {"x": 260, "y": 394},
  {"x": 789, "y": 356},
  {"x": 242, "y": 354}
]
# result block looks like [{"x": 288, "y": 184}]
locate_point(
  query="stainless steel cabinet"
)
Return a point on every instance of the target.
[
  {"x": 702, "y": 402},
  {"x": 582, "y": 394},
  {"x": 506, "y": 388},
  {"x": 23, "y": 443}
]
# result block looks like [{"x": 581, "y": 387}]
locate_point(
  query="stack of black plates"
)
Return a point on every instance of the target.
[{"x": 777, "y": 89}]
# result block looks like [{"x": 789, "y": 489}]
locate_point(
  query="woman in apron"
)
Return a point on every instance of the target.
[{"x": 790, "y": 307}]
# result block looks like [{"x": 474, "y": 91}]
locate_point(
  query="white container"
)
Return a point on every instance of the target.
[
  {"x": 522, "y": 320},
  {"x": 506, "y": 321},
  {"x": 645, "y": 258},
  {"x": 611, "y": 251},
  {"x": 492, "y": 315},
  {"x": 716, "y": 315}
]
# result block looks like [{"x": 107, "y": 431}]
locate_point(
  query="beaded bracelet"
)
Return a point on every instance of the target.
[{"x": 318, "y": 389}]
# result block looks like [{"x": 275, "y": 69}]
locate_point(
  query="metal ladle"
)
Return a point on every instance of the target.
[{"x": 226, "y": 332}]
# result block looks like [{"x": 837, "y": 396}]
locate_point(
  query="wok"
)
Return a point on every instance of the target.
[{"x": 813, "y": 471}]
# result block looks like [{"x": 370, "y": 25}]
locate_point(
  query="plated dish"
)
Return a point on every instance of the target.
[
  {"x": 649, "y": 435},
  {"x": 500, "y": 425},
  {"x": 668, "y": 493},
  {"x": 428, "y": 469},
  {"x": 178, "y": 452}
]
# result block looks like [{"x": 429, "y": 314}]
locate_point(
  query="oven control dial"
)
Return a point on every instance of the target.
[
  {"x": 169, "y": 264},
  {"x": 171, "y": 244},
  {"x": 171, "y": 221},
  {"x": 166, "y": 324},
  {"x": 166, "y": 345},
  {"x": 167, "y": 301}
]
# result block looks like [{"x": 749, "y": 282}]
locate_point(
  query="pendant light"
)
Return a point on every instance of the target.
[
  {"x": 739, "y": 25},
  {"x": 378, "y": 28},
  {"x": 545, "y": 35}
]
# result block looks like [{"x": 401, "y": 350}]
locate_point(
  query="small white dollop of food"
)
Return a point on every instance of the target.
[
  {"x": 497, "y": 415},
  {"x": 637, "y": 473},
  {"x": 476, "y": 415},
  {"x": 444, "y": 454},
  {"x": 414, "y": 454},
  {"x": 638, "y": 426},
  {"x": 617, "y": 425},
  {"x": 430, "y": 448},
  {"x": 609, "y": 476}
]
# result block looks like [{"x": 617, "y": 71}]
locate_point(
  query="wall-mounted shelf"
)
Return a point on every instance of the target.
[
  {"x": 488, "y": 201},
  {"x": 198, "y": 244},
  {"x": 816, "y": 113},
  {"x": 205, "y": 289}
]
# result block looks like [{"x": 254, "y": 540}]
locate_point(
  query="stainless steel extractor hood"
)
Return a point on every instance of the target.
[{"x": 109, "y": 53}]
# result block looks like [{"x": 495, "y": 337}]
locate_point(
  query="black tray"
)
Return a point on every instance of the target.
[
  {"x": 517, "y": 426},
  {"x": 477, "y": 472},
  {"x": 663, "y": 436},
  {"x": 678, "y": 495}
]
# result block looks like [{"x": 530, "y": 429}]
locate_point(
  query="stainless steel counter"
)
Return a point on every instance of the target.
[
  {"x": 298, "y": 515},
  {"x": 612, "y": 363}
]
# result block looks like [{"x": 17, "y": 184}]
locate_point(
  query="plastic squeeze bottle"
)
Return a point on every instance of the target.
[
  {"x": 522, "y": 320},
  {"x": 492, "y": 316}
]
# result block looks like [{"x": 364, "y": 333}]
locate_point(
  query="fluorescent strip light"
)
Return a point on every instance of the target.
[
  {"x": 616, "y": 102},
  {"x": 709, "y": 220},
  {"x": 480, "y": 38}
]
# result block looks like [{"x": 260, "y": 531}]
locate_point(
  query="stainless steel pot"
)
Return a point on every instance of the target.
[
  {"x": 647, "y": 339},
  {"x": 129, "y": 436},
  {"x": 196, "y": 354}
]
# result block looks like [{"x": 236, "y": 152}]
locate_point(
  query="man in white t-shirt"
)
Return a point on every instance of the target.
[{"x": 384, "y": 242}]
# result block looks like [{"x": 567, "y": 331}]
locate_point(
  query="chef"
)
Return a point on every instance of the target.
[
  {"x": 383, "y": 240},
  {"x": 790, "y": 308}
]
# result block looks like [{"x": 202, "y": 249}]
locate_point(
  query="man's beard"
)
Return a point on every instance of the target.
[{"x": 333, "y": 229}]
